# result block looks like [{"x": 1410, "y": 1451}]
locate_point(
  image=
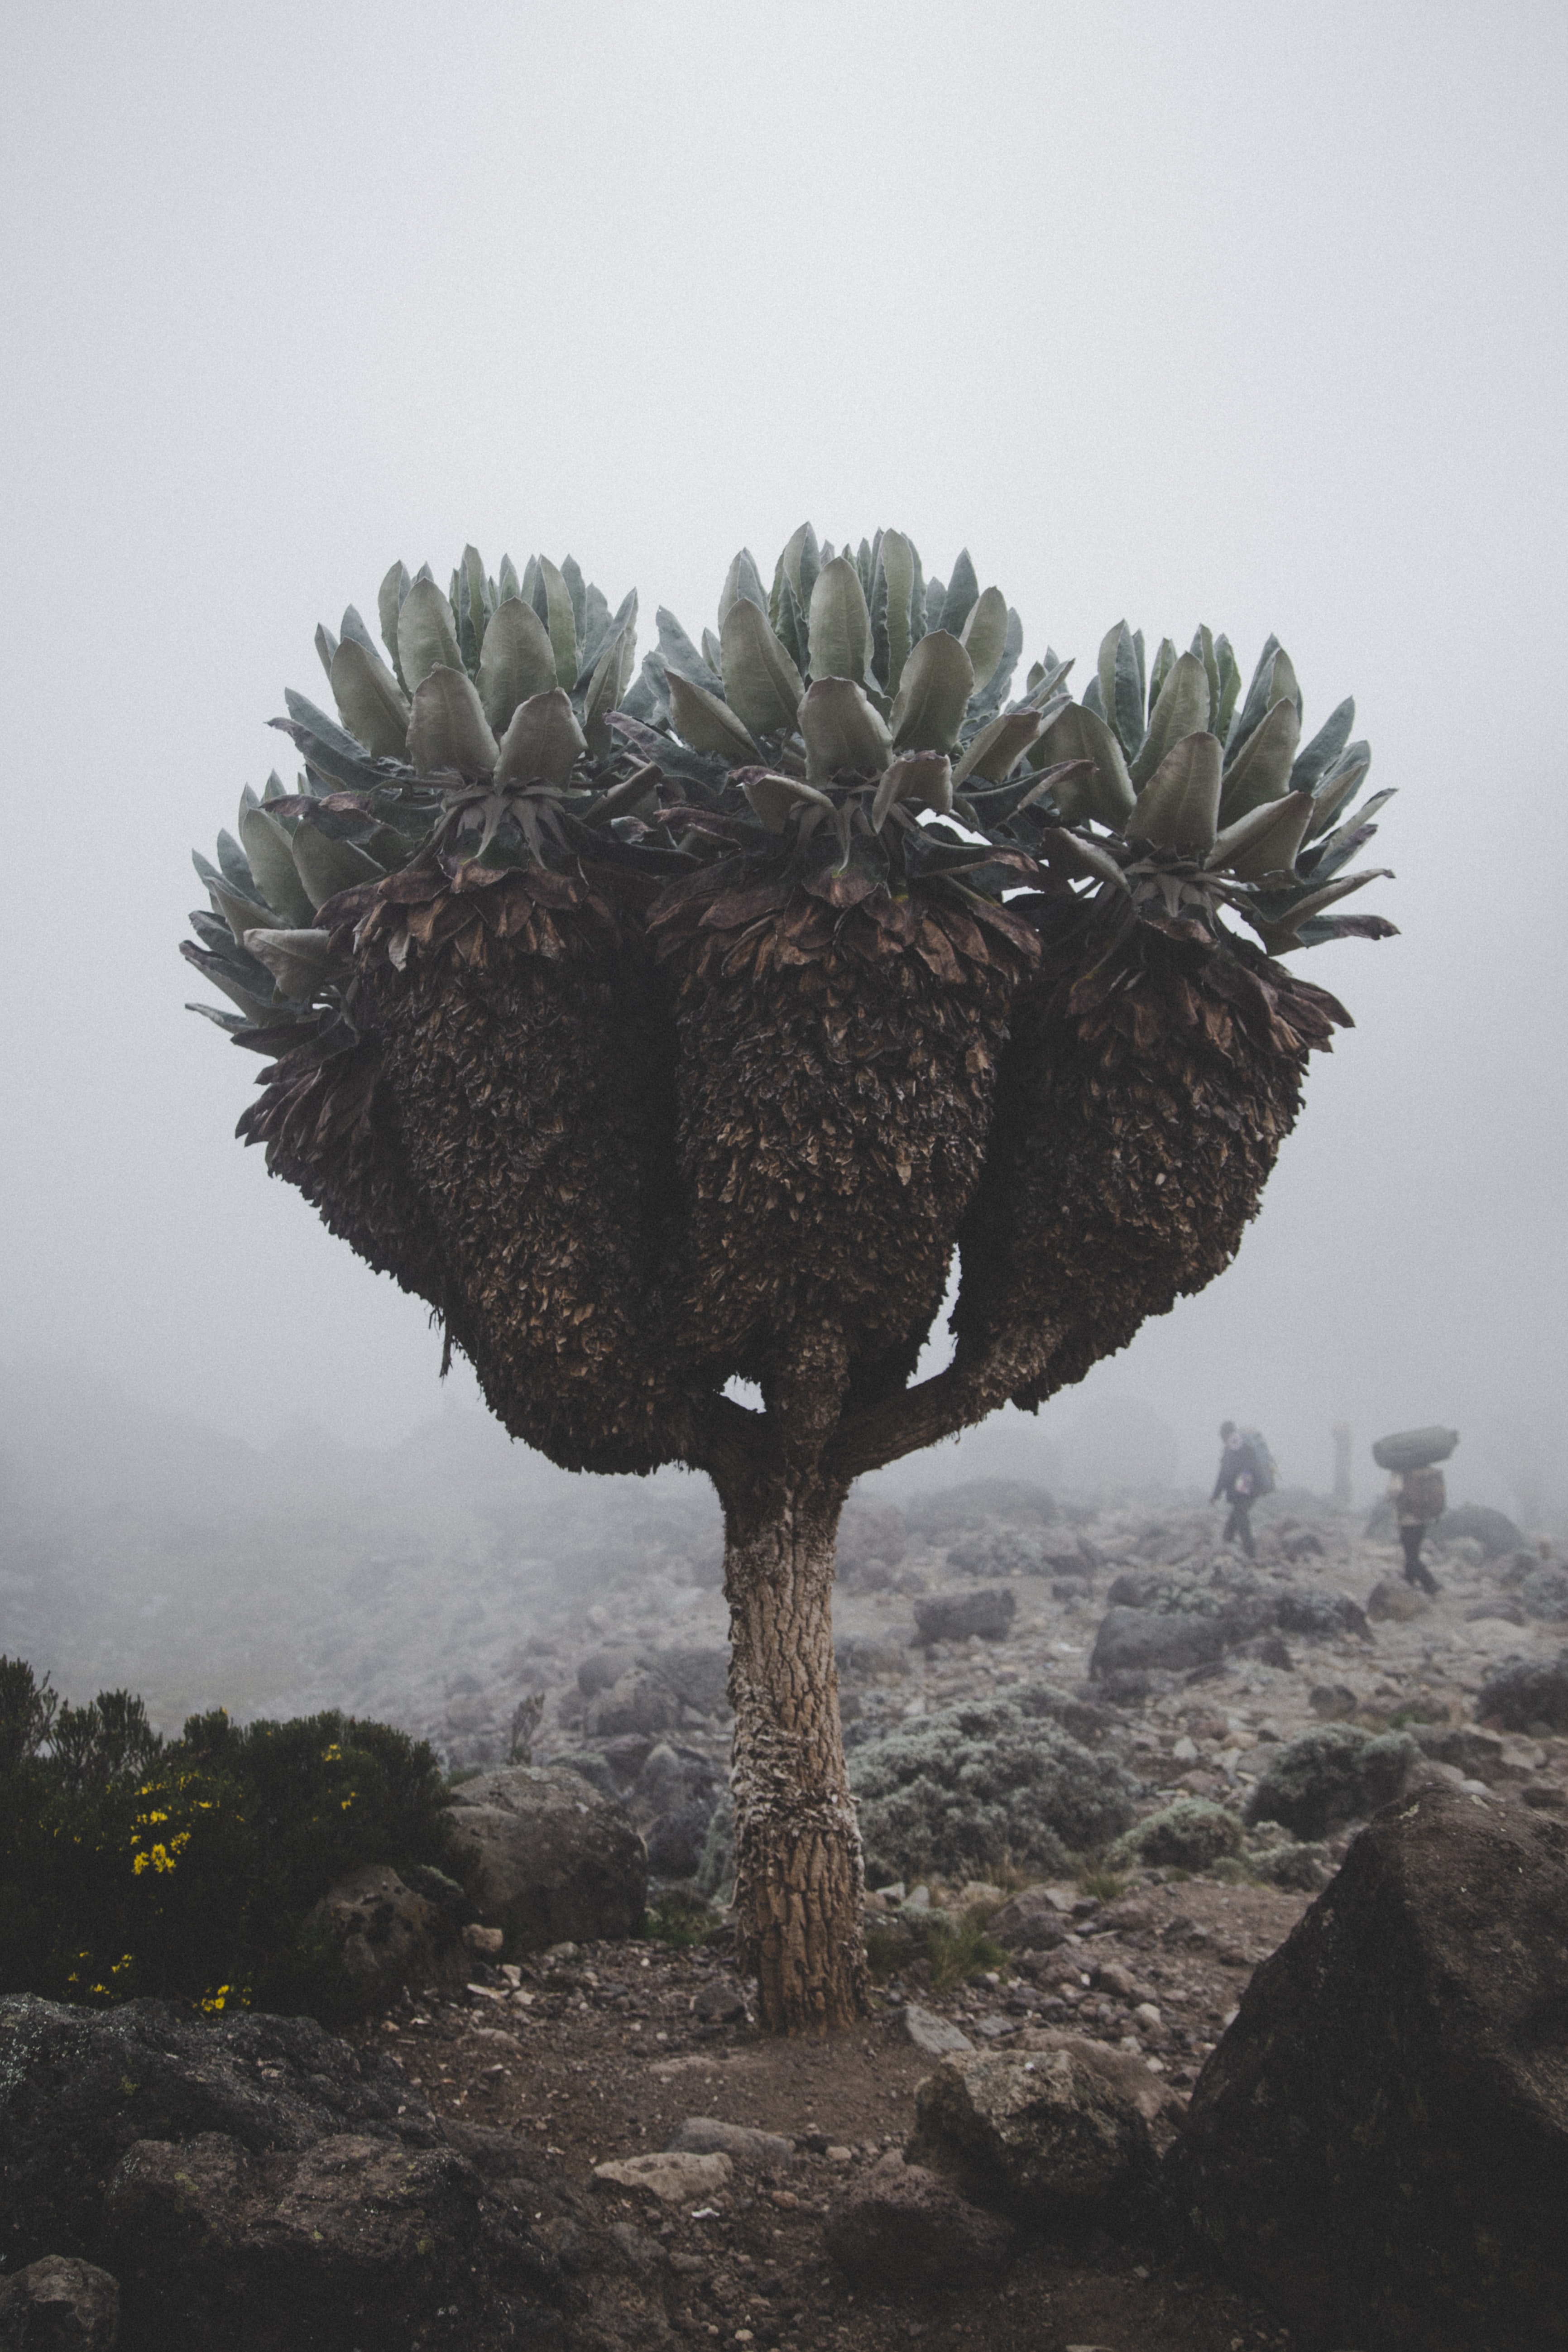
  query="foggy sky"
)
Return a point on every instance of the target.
[{"x": 1242, "y": 314}]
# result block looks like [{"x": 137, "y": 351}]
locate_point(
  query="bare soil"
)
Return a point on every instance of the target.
[{"x": 608, "y": 2053}]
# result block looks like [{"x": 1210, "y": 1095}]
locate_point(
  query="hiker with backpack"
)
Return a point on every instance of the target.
[{"x": 1246, "y": 1472}]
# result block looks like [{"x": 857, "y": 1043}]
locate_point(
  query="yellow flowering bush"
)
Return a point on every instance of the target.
[{"x": 189, "y": 1869}]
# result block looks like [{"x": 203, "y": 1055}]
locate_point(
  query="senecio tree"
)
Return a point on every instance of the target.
[{"x": 668, "y": 1031}]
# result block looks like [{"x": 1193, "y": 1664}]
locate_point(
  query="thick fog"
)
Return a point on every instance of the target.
[{"x": 1252, "y": 317}]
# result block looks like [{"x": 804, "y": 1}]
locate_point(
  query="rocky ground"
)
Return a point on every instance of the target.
[{"x": 615, "y": 2051}]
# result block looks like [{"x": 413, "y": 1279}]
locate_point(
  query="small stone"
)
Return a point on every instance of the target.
[
  {"x": 707, "y": 2135},
  {"x": 485, "y": 1942},
  {"x": 672, "y": 2176},
  {"x": 931, "y": 2034},
  {"x": 1148, "y": 2015},
  {"x": 838, "y": 2154}
]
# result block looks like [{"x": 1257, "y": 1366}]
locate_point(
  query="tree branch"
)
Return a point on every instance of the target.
[{"x": 971, "y": 1386}]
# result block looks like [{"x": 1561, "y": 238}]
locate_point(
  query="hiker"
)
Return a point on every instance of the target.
[
  {"x": 1239, "y": 1481},
  {"x": 1420, "y": 1496}
]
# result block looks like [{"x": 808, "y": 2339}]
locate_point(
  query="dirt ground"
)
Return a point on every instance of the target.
[{"x": 602, "y": 2051}]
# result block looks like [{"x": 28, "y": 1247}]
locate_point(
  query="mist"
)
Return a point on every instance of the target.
[{"x": 1251, "y": 318}]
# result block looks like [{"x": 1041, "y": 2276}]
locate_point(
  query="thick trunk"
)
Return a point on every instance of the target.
[{"x": 798, "y": 1877}]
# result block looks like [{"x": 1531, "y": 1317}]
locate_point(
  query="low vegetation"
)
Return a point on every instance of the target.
[{"x": 189, "y": 1869}]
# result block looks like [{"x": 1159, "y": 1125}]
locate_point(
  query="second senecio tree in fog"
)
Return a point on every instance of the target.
[{"x": 670, "y": 1028}]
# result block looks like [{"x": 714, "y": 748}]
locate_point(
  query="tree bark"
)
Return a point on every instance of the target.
[{"x": 798, "y": 1875}]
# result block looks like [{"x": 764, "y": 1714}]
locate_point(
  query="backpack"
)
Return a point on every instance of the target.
[{"x": 1265, "y": 1476}]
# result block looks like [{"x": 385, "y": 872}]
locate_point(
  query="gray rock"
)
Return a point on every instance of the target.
[
  {"x": 59, "y": 2304},
  {"x": 668, "y": 1779},
  {"x": 723, "y": 2002},
  {"x": 387, "y": 1936},
  {"x": 904, "y": 2230},
  {"x": 1317, "y": 1616},
  {"x": 1479, "y": 1755},
  {"x": 1544, "y": 1591},
  {"x": 557, "y": 1862},
  {"x": 673, "y": 2177},
  {"x": 1030, "y": 1921},
  {"x": 1379, "y": 2147},
  {"x": 1333, "y": 1702},
  {"x": 1335, "y": 1773},
  {"x": 1138, "y": 1641},
  {"x": 591, "y": 1766},
  {"x": 954, "y": 1617},
  {"x": 1392, "y": 1601},
  {"x": 932, "y": 2034},
  {"x": 1506, "y": 1611},
  {"x": 639, "y": 1701},
  {"x": 676, "y": 1840},
  {"x": 601, "y": 1669},
  {"x": 698, "y": 1674},
  {"x": 1520, "y": 1693},
  {"x": 1068, "y": 2134},
  {"x": 706, "y": 2136},
  {"x": 1493, "y": 1530}
]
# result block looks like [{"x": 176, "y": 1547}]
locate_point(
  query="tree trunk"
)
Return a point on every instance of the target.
[{"x": 798, "y": 1877}]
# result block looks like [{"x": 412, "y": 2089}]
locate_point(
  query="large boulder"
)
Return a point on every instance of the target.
[
  {"x": 906, "y": 2230},
  {"x": 1493, "y": 1530},
  {"x": 387, "y": 1936},
  {"x": 253, "y": 2181},
  {"x": 1033, "y": 1920},
  {"x": 1380, "y": 2144},
  {"x": 954, "y": 1616},
  {"x": 557, "y": 1862},
  {"x": 698, "y": 1674},
  {"x": 59, "y": 2304},
  {"x": 1335, "y": 1772},
  {"x": 1524, "y": 1696},
  {"x": 1143, "y": 1641},
  {"x": 1062, "y": 2136}
]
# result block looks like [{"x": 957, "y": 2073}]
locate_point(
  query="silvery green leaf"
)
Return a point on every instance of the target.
[
  {"x": 1120, "y": 685},
  {"x": 705, "y": 722},
  {"x": 325, "y": 867},
  {"x": 995, "y": 751},
  {"x": 741, "y": 580},
  {"x": 248, "y": 799},
  {"x": 841, "y": 728},
  {"x": 389, "y": 602},
  {"x": 476, "y": 600},
  {"x": 326, "y": 646},
  {"x": 296, "y": 959},
  {"x": 1203, "y": 648},
  {"x": 1260, "y": 770},
  {"x": 963, "y": 594},
  {"x": 543, "y": 742},
  {"x": 1265, "y": 841},
  {"x": 1181, "y": 708},
  {"x": 534, "y": 588},
  {"x": 712, "y": 652},
  {"x": 1080, "y": 733},
  {"x": 253, "y": 1009},
  {"x": 354, "y": 633},
  {"x": 923, "y": 780},
  {"x": 272, "y": 862},
  {"x": 1289, "y": 915},
  {"x": 788, "y": 568},
  {"x": 1346, "y": 839},
  {"x": 447, "y": 728},
  {"x": 647, "y": 699},
  {"x": 427, "y": 635},
  {"x": 933, "y": 695},
  {"x": 509, "y": 582},
  {"x": 239, "y": 911},
  {"x": 516, "y": 660},
  {"x": 571, "y": 572},
  {"x": 790, "y": 627},
  {"x": 1164, "y": 662},
  {"x": 1093, "y": 699},
  {"x": 987, "y": 700},
  {"x": 983, "y": 635},
  {"x": 1260, "y": 699},
  {"x": 917, "y": 599},
  {"x": 1045, "y": 681},
  {"x": 612, "y": 676},
  {"x": 370, "y": 701},
  {"x": 1316, "y": 758},
  {"x": 681, "y": 658},
  {"x": 935, "y": 598},
  {"x": 274, "y": 789},
  {"x": 838, "y": 630},
  {"x": 597, "y": 626},
  {"x": 863, "y": 565},
  {"x": 762, "y": 684},
  {"x": 1339, "y": 786},
  {"x": 1069, "y": 853},
  {"x": 898, "y": 559},
  {"x": 804, "y": 585},
  {"x": 234, "y": 865},
  {"x": 1229, "y": 675},
  {"x": 562, "y": 623},
  {"x": 1179, "y": 805},
  {"x": 774, "y": 797}
]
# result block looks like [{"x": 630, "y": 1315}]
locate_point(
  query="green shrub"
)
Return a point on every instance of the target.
[
  {"x": 1190, "y": 1835},
  {"x": 966, "y": 1792},
  {"x": 1332, "y": 1773},
  {"x": 679, "y": 1920},
  {"x": 188, "y": 1870}
]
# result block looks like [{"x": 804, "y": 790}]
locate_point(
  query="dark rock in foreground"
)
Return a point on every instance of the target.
[
  {"x": 954, "y": 1617},
  {"x": 251, "y": 2182},
  {"x": 60, "y": 2306},
  {"x": 906, "y": 2230},
  {"x": 1066, "y": 2136},
  {"x": 1380, "y": 2144},
  {"x": 1138, "y": 1641}
]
